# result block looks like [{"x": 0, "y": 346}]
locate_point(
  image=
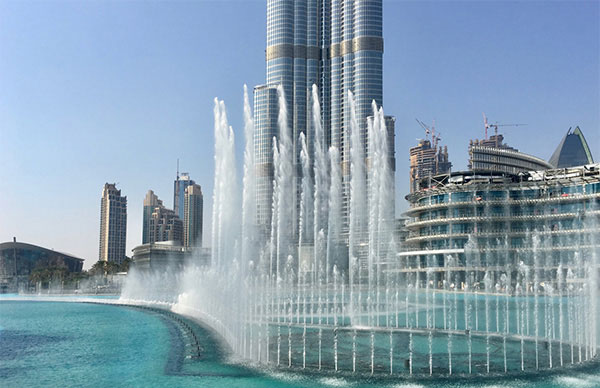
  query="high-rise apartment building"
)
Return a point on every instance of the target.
[
  {"x": 181, "y": 183},
  {"x": 160, "y": 224},
  {"x": 150, "y": 203},
  {"x": 192, "y": 221},
  {"x": 113, "y": 224},
  {"x": 336, "y": 45},
  {"x": 165, "y": 226}
]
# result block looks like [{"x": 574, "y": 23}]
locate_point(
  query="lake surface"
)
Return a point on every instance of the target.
[{"x": 70, "y": 344}]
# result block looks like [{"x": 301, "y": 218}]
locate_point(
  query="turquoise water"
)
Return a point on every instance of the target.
[{"x": 95, "y": 345}]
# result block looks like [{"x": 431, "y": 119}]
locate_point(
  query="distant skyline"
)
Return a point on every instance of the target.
[{"x": 96, "y": 92}]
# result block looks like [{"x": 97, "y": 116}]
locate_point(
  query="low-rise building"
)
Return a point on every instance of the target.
[
  {"x": 19, "y": 260},
  {"x": 166, "y": 255}
]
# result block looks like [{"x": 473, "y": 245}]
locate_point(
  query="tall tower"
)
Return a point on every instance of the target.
[
  {"x": 181, "y": 183},
  {"x": 192, "y": 222},
  {"x": 113, "y": 224},
  {"x": 337, "y": 45},
  {"x": 150, "y": 203}
]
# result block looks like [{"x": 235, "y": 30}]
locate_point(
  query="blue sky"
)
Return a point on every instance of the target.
[{"x": 116, "y": 91}]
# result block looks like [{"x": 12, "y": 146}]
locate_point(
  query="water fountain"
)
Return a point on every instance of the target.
[{"x": 276, "y": 304}]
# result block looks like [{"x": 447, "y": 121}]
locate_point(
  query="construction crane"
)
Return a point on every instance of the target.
[
  {"x": 495, "y": 126},
  {"x": 425, "y": 127},
  {"x": 435, "y": 138}
]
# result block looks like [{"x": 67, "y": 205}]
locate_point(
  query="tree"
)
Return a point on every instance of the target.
[
  {"x": 106, "y": 267},
  {"x": 124, "y": 267}
]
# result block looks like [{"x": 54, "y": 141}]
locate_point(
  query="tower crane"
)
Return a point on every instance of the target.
[
  {"x": 435, "y": 138},
  {"x": 495, "y": 126},
  {"x": 425, "y": 127}
]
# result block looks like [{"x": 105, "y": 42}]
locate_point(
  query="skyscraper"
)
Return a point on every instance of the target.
[
  {"x": 336, "y": 45},
  {"x": 113, "y": 224},
  {"x": 160, "y": 224},
  {"x": 179, "y": 186},
  {"x": 150, "y": 203},
  {"x": 165, "y": 226},
  {"x": 192, "y": 222}
]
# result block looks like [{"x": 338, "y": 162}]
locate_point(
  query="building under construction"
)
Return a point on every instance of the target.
[
  {"x": 493, "y": 155},
  {"x": 427, "y": 160}
]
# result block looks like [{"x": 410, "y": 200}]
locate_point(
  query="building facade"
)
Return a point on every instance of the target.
[
  {"x": 151, "y": 202},
  {"x": 573, "y": 150},
  {"x": 181, "y": 183},
  {"x": 493, "y": 155},
  {"x": 336, "y": 45},
  {"x": 193, "y": 212},
  {"x": 113, "y": 224},
  {"x": 482, "y": 222}
]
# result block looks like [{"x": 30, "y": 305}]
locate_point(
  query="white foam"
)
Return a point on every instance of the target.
[
  {"x": 285, "y": 376},
  {"x": 578, "y": 382},
  {"x": 409, "y": 385},
  {"x": 511, "y": 385},
  {"x": 335, "y": 382}
]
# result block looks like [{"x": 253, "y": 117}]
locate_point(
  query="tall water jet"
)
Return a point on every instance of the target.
[
  {"x": 321, "y": 178},
  {"x": 285, "y": 184},
  {"x": 335, "y": 205},
  {"x": 381, "y": 195},
  {"x": 225, "y": 225},
  {"x": 249, "y": 237},
  {"x": 358, "y": 200}
]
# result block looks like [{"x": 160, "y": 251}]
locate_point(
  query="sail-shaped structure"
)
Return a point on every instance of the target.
[{"x": 572, "y": 151}]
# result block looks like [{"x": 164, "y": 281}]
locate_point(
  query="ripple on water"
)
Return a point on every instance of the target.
[{"x": 15, "y": 344}]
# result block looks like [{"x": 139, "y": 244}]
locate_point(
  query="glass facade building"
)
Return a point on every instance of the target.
[
  {"x": 182, "y": 182},
  {"x": 572, "y": 151},
  {"x": 495, "y": 221},
  {"x": 336, "y": 45},
  {"x": 19, "y": 260}
]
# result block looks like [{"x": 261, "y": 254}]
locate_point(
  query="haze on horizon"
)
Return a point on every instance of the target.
[{"x": 95, "y": 92}]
